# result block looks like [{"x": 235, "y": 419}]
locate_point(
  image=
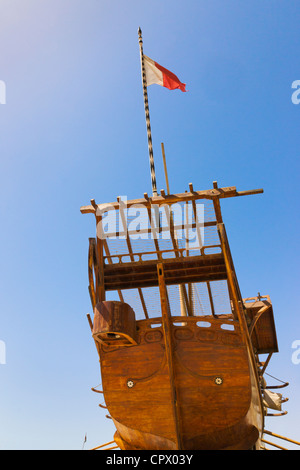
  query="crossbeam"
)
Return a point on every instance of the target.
[
  {"x": 131, "y": 275},
  {"x": 216, "y": 193}
]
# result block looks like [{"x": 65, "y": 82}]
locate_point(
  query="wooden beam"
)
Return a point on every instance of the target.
[
  {"x": 274, "y": 445},
  {"x": 266, "y": 364},
  {"x": 151, "y": 231},
  {"x": 91, "y": 260},
  {"x": 154, "y": 231},
  {"x": 169, "y": 199},
  {"x": 281, "y": 437},
  {"x": 232, "y": 280},
  {"x": 173, "y": 198},
  {"x": 211, "y": 300},
  {"x": 238, "y": 303},
  {"x": 177, "y": 271},
  {"x": 108, "y": 257},
  {"x": 132, "y": 258},
  {"x": 257, "y": 317},
  {"x": 175, "y": 245},
  {"x": 217, "y": 208},
  {"x": 169, "y": 346},
  {"x": 100, "y": 291},
  {"x": 90, "y": 321},
  {"x": 190, "y": 286},
  {"x": 105, "y": 445}
]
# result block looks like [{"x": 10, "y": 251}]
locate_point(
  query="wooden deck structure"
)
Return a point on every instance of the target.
[{"x": 179, "y": 346}]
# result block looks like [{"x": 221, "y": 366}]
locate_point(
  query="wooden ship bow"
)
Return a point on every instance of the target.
[{"x": 178, "y": 345}]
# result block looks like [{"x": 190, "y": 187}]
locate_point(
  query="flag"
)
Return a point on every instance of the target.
[{"x": 156, "y": 74}]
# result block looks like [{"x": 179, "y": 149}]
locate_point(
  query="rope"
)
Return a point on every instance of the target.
[{"x": 275, "y": 378}]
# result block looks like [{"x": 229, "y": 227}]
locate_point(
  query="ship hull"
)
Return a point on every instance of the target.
[{"x": 212, "y": 401}]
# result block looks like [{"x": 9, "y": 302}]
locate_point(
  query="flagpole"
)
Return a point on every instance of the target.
[{"x": 146, "y": 104}]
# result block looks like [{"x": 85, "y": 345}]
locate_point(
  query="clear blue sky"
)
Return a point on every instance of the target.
[{"x": 73, "y": 128}]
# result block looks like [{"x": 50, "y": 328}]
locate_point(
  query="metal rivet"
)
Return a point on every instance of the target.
[
  {"x": 218, "y": 380},
  {"x": 130, "y": 383}
]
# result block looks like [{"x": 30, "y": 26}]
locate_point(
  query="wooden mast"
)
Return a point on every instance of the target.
[{"x": 165, "y": 167}]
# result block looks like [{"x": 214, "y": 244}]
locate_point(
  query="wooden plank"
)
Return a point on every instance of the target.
[
  {"x": 143, "y": 414},
  {"x": 256, "y": 317},
  {"x": 190, "y": 269},
  {"x": 169, "y": 263},
  {"x": 262, "y": 328},
  {"x": 133, "y": 275},
  {"x": 143, "y": 283}
]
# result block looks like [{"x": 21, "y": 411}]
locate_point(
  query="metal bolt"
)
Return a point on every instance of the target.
[{"x": 218, "y": 380}]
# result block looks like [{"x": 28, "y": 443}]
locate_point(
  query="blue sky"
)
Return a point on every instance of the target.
[{"x": 73, "y": 128}]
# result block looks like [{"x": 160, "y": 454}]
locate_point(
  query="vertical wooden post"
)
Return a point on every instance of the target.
[
  {"x": 238, "y": 304},
  {"x": 146, "y": 104},
  {"x": 124, "y": 222},
  {"x": 167, "y": 328},
  {"x": 100, "y": 290},
  {"x": 234, "y": 289},
  {"x": 165, "y": 167}
]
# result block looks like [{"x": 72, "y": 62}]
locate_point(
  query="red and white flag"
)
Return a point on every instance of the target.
[{"x": 156, "y": 74}]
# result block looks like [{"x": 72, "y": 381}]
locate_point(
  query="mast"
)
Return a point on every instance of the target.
[
  {"x": 146, "y": 104},
  {"x": 165, "y": 167}
]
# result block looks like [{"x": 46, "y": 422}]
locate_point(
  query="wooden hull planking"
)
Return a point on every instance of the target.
[{"x": 216, "y": 390}]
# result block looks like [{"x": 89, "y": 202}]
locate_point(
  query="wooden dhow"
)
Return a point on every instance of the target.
[{"x": 179, "y": 347}]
